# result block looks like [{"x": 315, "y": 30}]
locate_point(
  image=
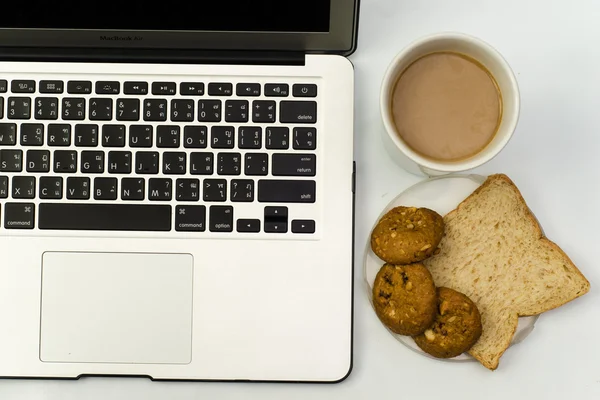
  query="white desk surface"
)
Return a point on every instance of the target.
[{"x": 554, "y": 49}]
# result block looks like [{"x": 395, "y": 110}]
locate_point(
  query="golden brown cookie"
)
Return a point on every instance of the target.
[
  {"x": 457, "y": 326},
  {"x": 407, "y": 235},
  {"x": 405, "y": 298}
]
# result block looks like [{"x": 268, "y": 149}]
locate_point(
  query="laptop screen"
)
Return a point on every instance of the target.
[{"x": 172, "y": 15}]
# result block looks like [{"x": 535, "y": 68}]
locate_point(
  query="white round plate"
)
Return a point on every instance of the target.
[{"x": 441, "y": 194}]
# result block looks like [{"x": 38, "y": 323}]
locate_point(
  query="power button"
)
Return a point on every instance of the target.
[{"x": 304, "y": 90}]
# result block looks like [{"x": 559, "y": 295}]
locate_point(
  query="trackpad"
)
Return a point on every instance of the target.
[{"x": 116, "y": 308}]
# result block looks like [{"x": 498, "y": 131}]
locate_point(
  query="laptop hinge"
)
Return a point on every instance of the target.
[{"x": 151, "y": 56}]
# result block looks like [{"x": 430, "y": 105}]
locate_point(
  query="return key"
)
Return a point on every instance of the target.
[{"x": 294, "y": 164}]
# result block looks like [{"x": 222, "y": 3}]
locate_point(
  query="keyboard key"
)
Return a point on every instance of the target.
[
  {"x": 248, "y": 225},
  {"x": 276, "y": 219},
  {"x": 140, "y": 136},
  {"x": 236, "y": 111},
  {"x": 168, "y": 136},
  {"x": 182, "y": 110},
  {"x": 65, "y": 161},
  {"x": 113, "y": 135},
  {"x": 32, "y": 134},
  {"x": 135, "y": 88},
  {"x": 276, "y": 212},
  {"x": 11, "y": 160},
  {"x": 201, "y": 163},
  {"x": 1, "y": 107},
  {"x": 155, "y": 110},
  {"x": 51, "y": 187},
  {"x": 86, "y": 135},
  {"x": 19, "y": 108},
  {"x": 19, "y": 216},
  {"x": 263, "y": 111},
  {"x": 242, "y": 190},
  {"x": 59, "y": 135},
  {"x": 215, "y": 190},
  {"x": 119, "y": 162},
  {"x": 305, "y": 139},
  {"x": 222, "y": 137},
  {"x": 304, "y": 90},
  {"x": 220, "y": 89},
  {"x": 160, "y": 189},
  {"x": 128, "y": 110},
  {"x": 187, "y": 190},
  {"x": 79, "y": 87},
  {"x": 108, "y": 87},
  {"x": 247, "y": 89},
  {"x": 298, "y": 112},
  {"x": 209, "y": 110},
  {"x": 3, "y": 85},
  {"x": 133, "y": 189},
  {"x": 8, "y": 134},
  {"x": 278, "y": 138},
  {"x": 146, "y": 162},
  {"x": 23, "y": 187},
  {"x": 229, "y": 163},
  {"x": 294, "y": 165},
  {"x": 105, "y": 217},
  {"x": 38, "y": 161},
  {"x": 105, "y": 188},
  {"x": 195, "y": 137},
  {"x": 22, "y": 86},
  {"x": 92, "y": 162},
  {"x": 174, "y": 163},
  {"x": 78, "y": 188},
  {"x": 190, "y": 218},
  {"x": 101, "y": 109},
  {"x": 277, "y": 90},
  {"x": 250, "y": 137},
  {"x": 73, "y": 108},
  {"x": 256, "y": 164},
  {"x": 191, "y": 89},
  {"x": 303, "y": 226},
  {"x": 52, "y": 87},
  {"x": 281, "y": 191},
  {"x": 3, "y": 187},
  {"x": 221, "y": 219},
  {"x": 166, "y": 88},
  {"x": 46, "y": 108}
]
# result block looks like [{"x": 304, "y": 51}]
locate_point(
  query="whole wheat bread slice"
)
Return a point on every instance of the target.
[{"x": 494, "y": 252}]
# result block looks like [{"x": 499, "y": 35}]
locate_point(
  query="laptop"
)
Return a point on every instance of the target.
[{"x": 176, "y": 190}]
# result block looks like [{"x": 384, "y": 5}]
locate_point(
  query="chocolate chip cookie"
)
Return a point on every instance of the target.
[
  {"x": 457, "y": 326},
  {"x": 407, "y": 235},
  {"x": 405, "y": 298}
]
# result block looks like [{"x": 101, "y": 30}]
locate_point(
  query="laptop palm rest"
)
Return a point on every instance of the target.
[{"x": 116, "y": 308}]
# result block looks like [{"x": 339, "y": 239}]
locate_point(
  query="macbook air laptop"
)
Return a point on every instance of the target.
[{"x": 176, "y": 190}]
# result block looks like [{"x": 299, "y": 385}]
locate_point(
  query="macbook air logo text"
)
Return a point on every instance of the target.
[{"x": 121, "y": 38}]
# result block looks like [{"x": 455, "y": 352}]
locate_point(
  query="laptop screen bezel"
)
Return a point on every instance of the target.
[{"x": 340, "y": 39}]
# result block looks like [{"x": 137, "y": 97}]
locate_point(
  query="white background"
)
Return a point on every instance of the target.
[{"x": 554, "y": 49}]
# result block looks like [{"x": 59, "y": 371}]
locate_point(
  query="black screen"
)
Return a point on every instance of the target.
[{"x": 185, "y": 15}]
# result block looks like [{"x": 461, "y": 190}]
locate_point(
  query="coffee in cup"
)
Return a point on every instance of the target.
[
  {"x": 446, "y": 106},
  {"x": 449, "y": 103}
]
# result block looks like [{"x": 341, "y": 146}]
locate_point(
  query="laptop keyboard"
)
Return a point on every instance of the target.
[{"x": 158, "y": 156}]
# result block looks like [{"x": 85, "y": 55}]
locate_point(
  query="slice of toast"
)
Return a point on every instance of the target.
[{"x": 494, "y": 251}]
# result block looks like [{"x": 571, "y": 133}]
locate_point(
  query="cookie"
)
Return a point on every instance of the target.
[
  {"x": 407, "y": 235},
  {"x": 457, "y": 326},
  {"x": 405, "y": 298}
]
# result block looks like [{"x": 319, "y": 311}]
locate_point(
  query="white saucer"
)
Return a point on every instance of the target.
[{"x": 441, "y": 194}]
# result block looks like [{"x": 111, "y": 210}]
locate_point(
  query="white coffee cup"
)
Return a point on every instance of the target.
[{"x": 472, "y": 47}]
